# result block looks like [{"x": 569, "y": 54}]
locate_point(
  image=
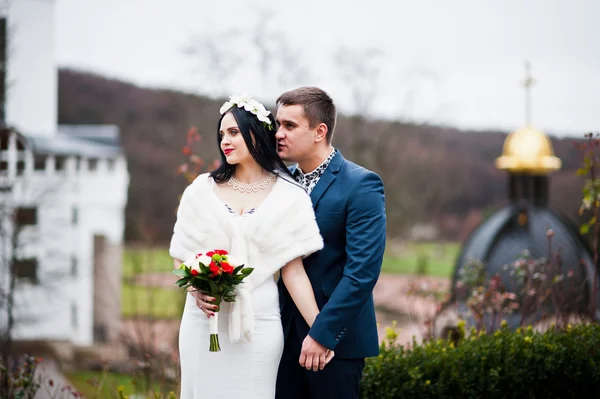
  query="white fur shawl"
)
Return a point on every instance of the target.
[{"x": 282, "y": 228}]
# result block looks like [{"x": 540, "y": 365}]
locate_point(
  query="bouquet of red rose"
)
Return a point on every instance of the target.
[{"x": 215, "y": 274}]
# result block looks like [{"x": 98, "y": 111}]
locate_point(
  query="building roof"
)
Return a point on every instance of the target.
[
  {"x": 91, "y": 141},
  {"x": 104, "y": 134},
  {"x": 516, "y": 228}
]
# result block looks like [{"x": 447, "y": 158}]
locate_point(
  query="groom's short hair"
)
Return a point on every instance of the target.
[{"x": 318, "y": 106}]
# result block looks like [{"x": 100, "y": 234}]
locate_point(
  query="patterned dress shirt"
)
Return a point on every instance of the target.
[{"x": 310, "y": 180}]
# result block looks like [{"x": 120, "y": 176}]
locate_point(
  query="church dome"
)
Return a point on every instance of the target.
[
  {"x": 528, "y": 150},
  {"x": 523, "y": 226},
  {"x": 516, "y": 228}
]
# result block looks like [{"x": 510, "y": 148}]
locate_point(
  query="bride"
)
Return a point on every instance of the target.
[{"x": 251, "y": 207}]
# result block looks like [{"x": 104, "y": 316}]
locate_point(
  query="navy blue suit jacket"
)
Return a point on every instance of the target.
[{"x": 350, "y": 211}]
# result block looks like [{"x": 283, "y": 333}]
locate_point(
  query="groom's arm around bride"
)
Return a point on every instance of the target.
[{"x": 365, "y": 244}]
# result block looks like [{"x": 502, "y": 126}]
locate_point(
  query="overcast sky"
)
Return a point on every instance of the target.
[{"x": 456, "y": 62}]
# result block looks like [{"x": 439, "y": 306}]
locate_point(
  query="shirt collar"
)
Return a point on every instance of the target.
[{"x": 319, "y": 170}]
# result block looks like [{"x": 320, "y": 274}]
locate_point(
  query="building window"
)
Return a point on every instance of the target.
[
  {"x": 39, "y": 162},
  {"x": 20, "y": 168},
  {"x": 74, "y": 266},
  {"x": 3, "y": 165},
  {"x": 26, "y": 216},
  {"x": 4, "y": 137},
  {"x": 26, "y": 269},
  {"x": 100, "y": 333},
  {"x": 74, "y": 321},
  {"x": 60, "y": 163},
  {"x": 74, "y": 216},
  {"x": 93, "y": 164}
]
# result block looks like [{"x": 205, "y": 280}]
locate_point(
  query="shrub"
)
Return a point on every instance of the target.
[{"x": 522, "y": 364}]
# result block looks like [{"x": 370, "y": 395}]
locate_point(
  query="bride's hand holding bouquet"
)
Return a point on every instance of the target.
[{"x": 215, "y": 273}]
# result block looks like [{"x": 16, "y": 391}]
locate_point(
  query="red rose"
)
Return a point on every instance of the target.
[
  {"x": 210, "y": 253},
  {"x": 221, "y": 252},
  {"x": 227, "y": 268},
  {"x": 194, "y": 272},
  {"x": 214, "y": 269}
]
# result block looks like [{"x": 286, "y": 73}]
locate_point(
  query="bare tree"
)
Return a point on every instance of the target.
[
  {"x": 358, "y": 71},
  {"x": 216, "y": 60},
  {"x": 223, "y": 56},
  {"x": 421, "y": 97}
]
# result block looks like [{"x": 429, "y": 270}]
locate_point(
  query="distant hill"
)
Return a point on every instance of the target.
[{"x": 431, "y": 174}]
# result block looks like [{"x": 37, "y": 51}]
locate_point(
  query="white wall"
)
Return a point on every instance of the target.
[
  {"x": 100, "y": 197},
  {"x": 32, "y": 78}
]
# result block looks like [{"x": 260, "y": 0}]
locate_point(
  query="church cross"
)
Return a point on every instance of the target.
[{"x": 527, "y": 84}]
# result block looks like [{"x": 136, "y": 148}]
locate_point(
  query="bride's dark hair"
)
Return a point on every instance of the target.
[{"x": 261, "y": 143}]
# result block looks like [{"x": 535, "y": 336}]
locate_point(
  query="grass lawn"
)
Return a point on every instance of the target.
[
  {"x": 108, "y": 383},
  {"x": 146, "y": 260},
  {"x": 152, "y": 301},
  {"x": 437, "y": 259}
]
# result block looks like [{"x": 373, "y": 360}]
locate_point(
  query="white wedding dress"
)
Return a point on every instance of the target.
[{"x": 243, "y": 369}]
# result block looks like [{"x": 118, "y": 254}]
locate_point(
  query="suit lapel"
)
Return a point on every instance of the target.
[
  {"x": 327, "y": 178},
  {"x": 321, "y": 187}
]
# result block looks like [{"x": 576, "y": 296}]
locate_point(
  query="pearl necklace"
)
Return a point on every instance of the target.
[{"x": 253, "y": 187}]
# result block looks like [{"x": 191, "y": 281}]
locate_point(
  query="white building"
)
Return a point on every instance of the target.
[{"x": 63, "y": 191}]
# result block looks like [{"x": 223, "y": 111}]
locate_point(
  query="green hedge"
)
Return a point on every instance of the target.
[{"x": 505, "y": 364}]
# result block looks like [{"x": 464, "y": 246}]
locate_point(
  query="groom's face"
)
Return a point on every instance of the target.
[{"x": 295, "y": 138}]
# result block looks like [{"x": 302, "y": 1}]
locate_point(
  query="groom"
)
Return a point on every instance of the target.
[{"x": 350, "y": 211}]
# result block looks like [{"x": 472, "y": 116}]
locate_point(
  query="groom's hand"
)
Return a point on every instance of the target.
[{"x": 314, "y": 356}]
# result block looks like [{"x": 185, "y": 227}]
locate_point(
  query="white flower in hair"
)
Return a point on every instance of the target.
[
  {"x": 249, "y": 104},
  {"x": 226, "y": 105},
  {"x": 264, "y": 118}
]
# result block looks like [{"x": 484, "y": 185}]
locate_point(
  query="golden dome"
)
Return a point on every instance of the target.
[{"x": 528, "y": 150}]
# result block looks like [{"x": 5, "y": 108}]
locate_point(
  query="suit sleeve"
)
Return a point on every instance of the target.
[{"x": 365, "y": 245}]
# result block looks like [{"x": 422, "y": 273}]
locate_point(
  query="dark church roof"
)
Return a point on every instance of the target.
[
  {"x": 523, "y": 226},
  {"x": 500, "y": 239}
]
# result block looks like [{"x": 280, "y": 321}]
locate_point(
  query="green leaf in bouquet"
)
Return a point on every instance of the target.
[
  {"x": 198, "y": 282},
  {"x": 180, "y": 273},
  {"x": 213, "y": 287},
  {"x": 181, "y": 281},
  {"x": 239, "y": 278},
  {"x": 204, "y": 269},
  {"x": 247, "y": 270},
  {"x": 237, "y": 270}
]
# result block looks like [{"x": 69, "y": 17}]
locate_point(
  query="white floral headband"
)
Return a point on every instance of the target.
[{"x": 250, "y": 105}]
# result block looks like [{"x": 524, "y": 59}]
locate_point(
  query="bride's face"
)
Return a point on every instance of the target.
[{"x": 232, "y": 142}]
